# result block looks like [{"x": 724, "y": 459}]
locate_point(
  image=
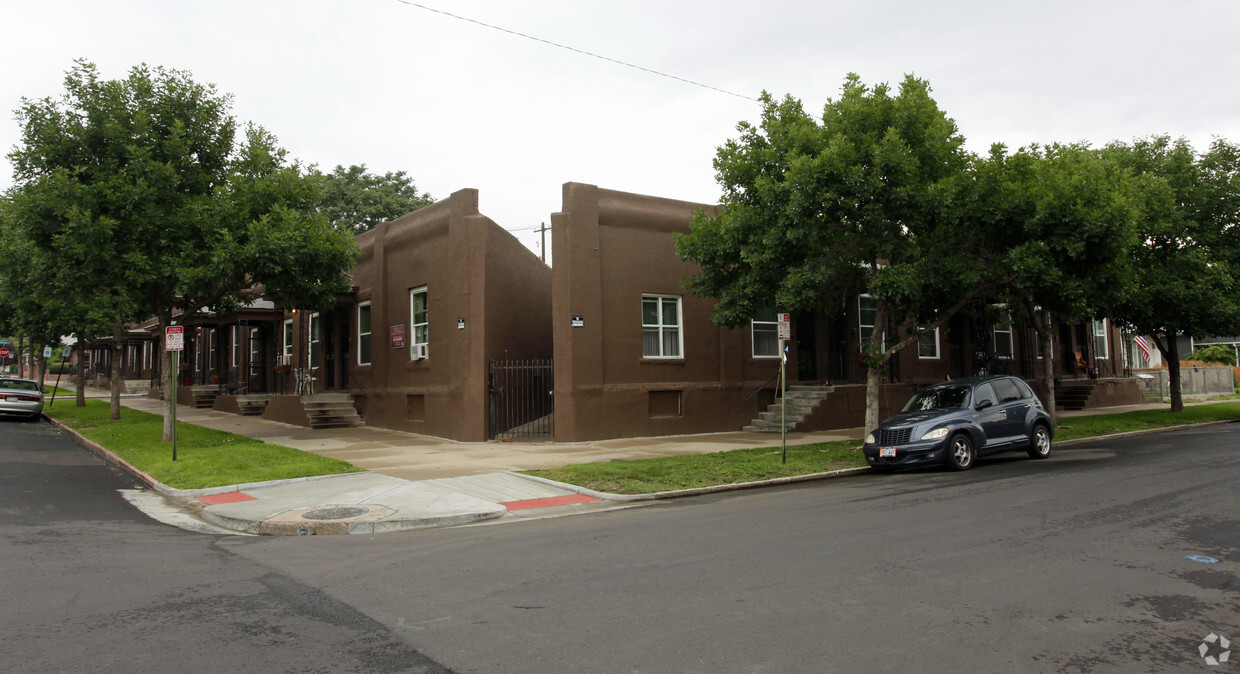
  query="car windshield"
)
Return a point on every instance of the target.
[{"x": 938, "y": 398}]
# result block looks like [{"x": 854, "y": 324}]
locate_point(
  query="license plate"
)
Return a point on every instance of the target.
[
  {"x": 887, "y": 452},
  {"x": 10, "y": 399}
]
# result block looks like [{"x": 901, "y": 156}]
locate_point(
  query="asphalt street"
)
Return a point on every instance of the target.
[{"x": 1091, "y": 561}]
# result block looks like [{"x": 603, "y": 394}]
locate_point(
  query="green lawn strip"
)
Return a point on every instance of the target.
[
  {"x": 1074, "y": 428},
  {"x": 648, "y": 476},
  {"x": 205, "y": 457}
]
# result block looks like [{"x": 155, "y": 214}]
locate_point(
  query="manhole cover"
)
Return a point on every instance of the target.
[{"x": 335, "y": 513}]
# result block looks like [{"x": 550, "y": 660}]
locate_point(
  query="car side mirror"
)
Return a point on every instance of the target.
[{"x": 981, "y": 405}]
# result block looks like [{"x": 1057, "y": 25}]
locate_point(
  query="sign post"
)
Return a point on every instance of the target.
[
  {"x": 785, "y": 334},
  {"x": 174, "y": 341}
]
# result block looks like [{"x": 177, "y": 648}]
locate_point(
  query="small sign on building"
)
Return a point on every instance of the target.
[
  {"x": 460, "y": 324},
  {"x": 579, "y": 321},
  {"x": 397, "y": 336}
]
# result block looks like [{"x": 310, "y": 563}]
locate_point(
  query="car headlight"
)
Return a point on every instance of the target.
[
  {"x": 869, "y": 439},
  {"x": 935, "y": 434}
]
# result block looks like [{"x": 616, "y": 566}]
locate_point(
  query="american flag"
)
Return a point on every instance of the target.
[{"x": 1143, "y": 345}]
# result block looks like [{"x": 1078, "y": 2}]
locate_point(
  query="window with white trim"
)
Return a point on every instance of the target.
[
  {"x": 661, "y": 333},
  {"x": 316, "y": 340},
  {"x": 928, "y": 344},
  {"x": 363, "y": 333},
  {"x": 867, "y": 313},
  {"x": 1100, "y": 340},
  {"x": 419, "y": 322},
  {"x": 764, "y": 331},
  {"x": 256, "y": 347},
  {"x": 1003, "y": 337},
  {"x": 286, "y": 346}
]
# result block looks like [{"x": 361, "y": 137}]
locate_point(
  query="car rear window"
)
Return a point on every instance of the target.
[
  {"x": 1007, "y": 390},
  {"x": 18, "y": 385}
]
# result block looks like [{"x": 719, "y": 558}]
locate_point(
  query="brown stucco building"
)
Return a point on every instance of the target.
[{"x": 455, "y": 329}]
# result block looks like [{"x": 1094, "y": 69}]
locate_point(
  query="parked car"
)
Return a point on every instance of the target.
[
  {"x": 22, "y": 397},
  {"x": 954, "y": 422}
]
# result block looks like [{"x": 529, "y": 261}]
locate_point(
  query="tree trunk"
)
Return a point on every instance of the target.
[
  {"x": 873, "y": 381},
  {"x": 1172, "y": 354},
  {"x": 114, "y": 379},
  {"x": 80, "y": 378},
  {"x": 1048, "y": 361}
]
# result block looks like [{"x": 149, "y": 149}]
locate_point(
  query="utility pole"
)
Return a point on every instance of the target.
[{"x": 542, "y": 230}]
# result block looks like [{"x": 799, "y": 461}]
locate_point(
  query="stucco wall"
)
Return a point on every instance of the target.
[{"x": 610, "y": 248}]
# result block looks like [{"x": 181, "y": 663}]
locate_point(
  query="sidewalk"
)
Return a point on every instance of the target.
[{"x": 416, "y": 481}]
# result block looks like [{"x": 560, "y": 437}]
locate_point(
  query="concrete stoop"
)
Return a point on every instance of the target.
[
  {"x": 254, "y": 404},
  {"x": 331, "y": 410},
  {"x": 1074, "y": 395},
  {"x": 801, "y": 400},
  {"x": 204, "y": 395}
]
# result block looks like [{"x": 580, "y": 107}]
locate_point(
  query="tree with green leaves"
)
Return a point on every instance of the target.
[
  {"x": 146, "y": 174},
  {"x": 355, "y": 200},
  {"x": 1187, "y": 255},
  {"x": 1057, "y": 224},
  {"x": 818, "y": 211}
]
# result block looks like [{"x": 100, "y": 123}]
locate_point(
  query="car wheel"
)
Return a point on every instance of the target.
[
  {"x": 1040, "y": 442},
  {"x": 960, "y": 452}
]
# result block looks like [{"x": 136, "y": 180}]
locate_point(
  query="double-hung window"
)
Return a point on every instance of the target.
[
  {"x": 764, "y": 328},
  {"x": 1003, "y": 337},
  {"x": 316, "y": 341},
  {"x": 928, "y": 344},
  {"x": 1100, "y": 339},
  {"x": 363, "y": 333},
  {"x": 661, "y": 320},
  {"x": 867, "y": 314},
  {"x": 286, "y": 347},
  {"x": 419, "y": 323}
]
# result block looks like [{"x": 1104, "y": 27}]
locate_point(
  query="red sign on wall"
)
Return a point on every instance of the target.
[{"x": 397, "y": 333}]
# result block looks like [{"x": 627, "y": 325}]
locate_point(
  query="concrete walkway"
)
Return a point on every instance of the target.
[{"x": 417, "y": 481}]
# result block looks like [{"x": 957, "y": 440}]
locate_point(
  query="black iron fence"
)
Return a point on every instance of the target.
[{"x": 522, "y": 406}]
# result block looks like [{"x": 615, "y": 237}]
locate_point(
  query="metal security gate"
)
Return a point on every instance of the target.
[{"x": 521, "y": 400}]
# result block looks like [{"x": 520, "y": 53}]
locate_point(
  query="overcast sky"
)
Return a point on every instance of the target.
[{"x": 458, "y": 105}]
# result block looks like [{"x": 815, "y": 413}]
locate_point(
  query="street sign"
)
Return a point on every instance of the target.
[
  {"x": 785, "y": 327},
  {"x": 4, "y": 352},
  {"x": 174, "y": 338},
  {"x": 47, "y": 352}
]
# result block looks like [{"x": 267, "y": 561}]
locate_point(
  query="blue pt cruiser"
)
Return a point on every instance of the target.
[{"x": 954, "y": 422}]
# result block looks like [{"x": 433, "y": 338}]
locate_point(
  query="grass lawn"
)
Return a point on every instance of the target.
[
  {"x": 1072, "y": 428},
  {"x": 648, "y": 476},
  {"x": 205, "y": 457}
]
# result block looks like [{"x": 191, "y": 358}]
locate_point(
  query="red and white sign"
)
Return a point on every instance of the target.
[
  {"x": 174, "y": 338},
  {"x": 785, "y": 327},
  {"x": 4, "y": 352},
  {"x": 397, "y": 336}
]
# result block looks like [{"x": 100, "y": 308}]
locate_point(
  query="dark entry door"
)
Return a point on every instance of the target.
[{"x": 807, "y": 347}]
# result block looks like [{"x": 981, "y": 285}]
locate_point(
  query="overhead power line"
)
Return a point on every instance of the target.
[{"x": 574, "y": 49}]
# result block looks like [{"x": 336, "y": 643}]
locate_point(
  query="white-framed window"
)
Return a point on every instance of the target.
[
  {"x": 1100, "y": 340},
  {"x": 419, "y": 323},
  {"x": 1003, "y": 337},
  {"x": 928, "y": 344},
  {"x": 363, "y": 333},
  {"x": 661, "y": 333},
  {"x": 867, "y": 313},
  {"x": 286, "y": 346},
  {"x": 764, "y": 330},
  {"x": 316, "y": 340},
  {"x": 236, "y": 345},
  {"x": 256, "y": 350}
]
